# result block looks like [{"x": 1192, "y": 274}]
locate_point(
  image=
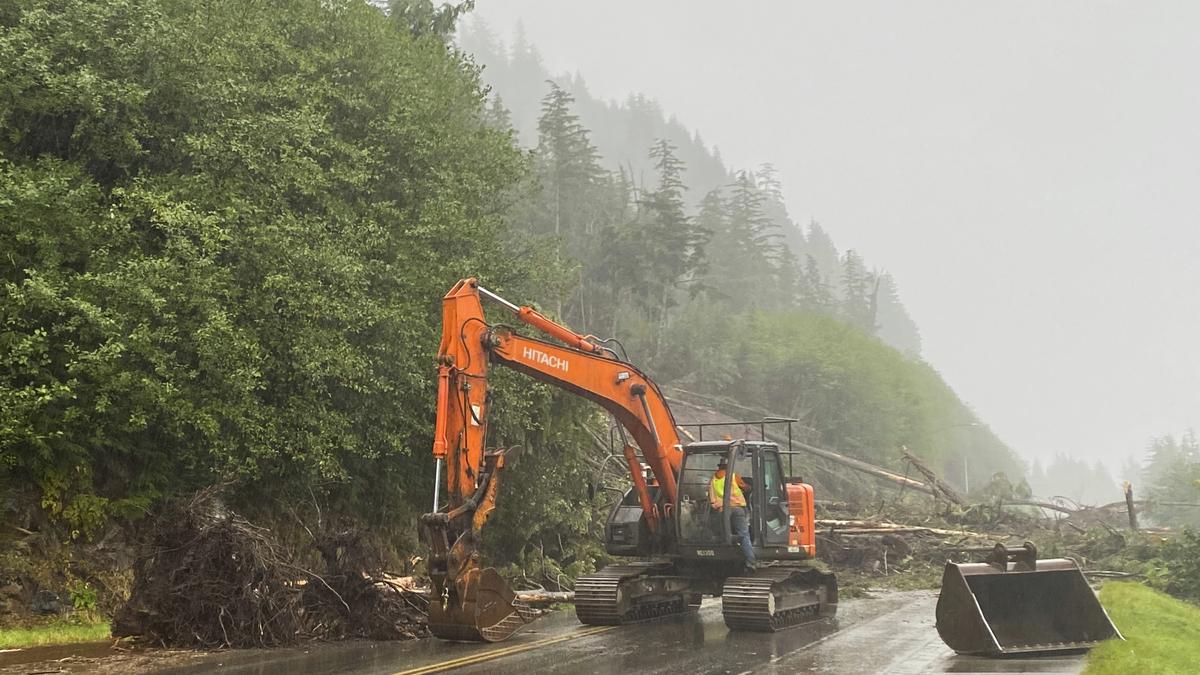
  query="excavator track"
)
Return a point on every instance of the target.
[
  {"x": 779, "y": 597},
  {"x": 618, "y": 594}
]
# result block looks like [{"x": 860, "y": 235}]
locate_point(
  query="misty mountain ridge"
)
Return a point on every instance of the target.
[{"x": 623, "y": 132}]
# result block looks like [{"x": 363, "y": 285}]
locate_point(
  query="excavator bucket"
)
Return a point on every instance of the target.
[
  {"x": 1014, "y": 603},
  {"x": 486, "y": 611}
]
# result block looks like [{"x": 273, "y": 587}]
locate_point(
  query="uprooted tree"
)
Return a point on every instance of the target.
[{"x": 207, "y": 577}]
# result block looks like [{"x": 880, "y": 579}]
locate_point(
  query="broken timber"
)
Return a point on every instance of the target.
[
  {"x": 872, "y": 527},
  {"x": 856, "y": 464},
  {"x": 938, "y": 484}
]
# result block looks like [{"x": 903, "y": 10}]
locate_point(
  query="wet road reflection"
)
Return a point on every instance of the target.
[{"x": 893, "y": 633}]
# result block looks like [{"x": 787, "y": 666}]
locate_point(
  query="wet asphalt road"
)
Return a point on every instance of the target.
[{"x": 892, "y": 633}]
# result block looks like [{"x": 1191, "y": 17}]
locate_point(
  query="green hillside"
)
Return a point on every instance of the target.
[{"x": 226, "y": 228}]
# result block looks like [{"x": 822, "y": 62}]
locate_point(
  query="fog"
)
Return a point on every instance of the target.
[{"x": 1027, "y": 172}]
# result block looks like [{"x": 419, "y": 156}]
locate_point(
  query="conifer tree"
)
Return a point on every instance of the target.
[
  {"x": 857, "y": 293},
  {"x": 1172, "y": 473},
  {"x": 421, "y": 17},
  {"x": 496, "y": 115},
  {"x": 820, "y": 246},
  {"x": 767, "y": 179},
  {"x": 815, "y": 293},
  {"x": 675, "y": 241},
  {"x": 751, "y": 242},
  {"x": 895, "y": 326},
  {"x": 569, "y": 170},
  {"x": 712, "y": 221}
]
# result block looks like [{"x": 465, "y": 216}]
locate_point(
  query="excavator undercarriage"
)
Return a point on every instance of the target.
[
  {"x": 765, "y": 600},
  {"x": 775, "y": 598}
]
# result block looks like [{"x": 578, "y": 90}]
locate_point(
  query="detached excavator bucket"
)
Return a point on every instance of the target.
[
  {"x": 486, "y": 611},
  {"x": 1014, "y": 603}
]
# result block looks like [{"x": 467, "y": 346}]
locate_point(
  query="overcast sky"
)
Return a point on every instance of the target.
[{"x": 1029, "y": 172}]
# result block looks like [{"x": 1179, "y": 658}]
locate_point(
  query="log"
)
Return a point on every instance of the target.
[
  {"x": 835, "y": 522},
  {"x": 542, "y": 598},
  {"x": 1042, "y": 505},
  {"x": 932, "y": 478},
  {"x": 851, "y": 531},
  {"x": 859, "y": 465},
  {"x": 869, "y": 527},
  {"x": 1109, "y": 574},
  {"x": 832, "y": 456},
  {"x": 1119, "y": 507}
]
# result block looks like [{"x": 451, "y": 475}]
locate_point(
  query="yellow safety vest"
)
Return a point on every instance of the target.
[{"x": 718, "y": 492}]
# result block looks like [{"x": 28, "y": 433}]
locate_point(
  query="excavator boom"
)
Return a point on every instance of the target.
[{"x": 472, "y": 602}]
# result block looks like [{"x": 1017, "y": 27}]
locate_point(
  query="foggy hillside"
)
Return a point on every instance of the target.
[
  {"x": 340, "y": 319},
  {"x": 621, "y": 133}
]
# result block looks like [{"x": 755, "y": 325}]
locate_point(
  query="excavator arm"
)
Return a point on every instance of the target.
[{"x": 470, "y": 601}]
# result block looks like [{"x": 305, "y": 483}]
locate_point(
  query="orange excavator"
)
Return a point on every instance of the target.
[{"x": 685, "y": 547}]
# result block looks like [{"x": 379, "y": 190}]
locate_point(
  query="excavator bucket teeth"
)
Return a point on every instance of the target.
[
  {"x": 1006, "y": 608},
  {"x": 488, "y": 611}
]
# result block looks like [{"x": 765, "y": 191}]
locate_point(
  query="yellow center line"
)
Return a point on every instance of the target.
[{"x": 473, "y": 659}]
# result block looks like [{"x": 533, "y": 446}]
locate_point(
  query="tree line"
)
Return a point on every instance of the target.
[
  {"x": 1170, "y": 475},
  {"x": 226, "y": 228}
]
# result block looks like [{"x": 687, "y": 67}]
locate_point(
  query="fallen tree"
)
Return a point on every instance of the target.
[
  {"x": 210, "y": 578},
  {"x": 873, "y": 527}
]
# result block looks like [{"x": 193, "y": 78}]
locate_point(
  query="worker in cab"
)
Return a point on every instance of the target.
[{"x": 739, "y": 517}]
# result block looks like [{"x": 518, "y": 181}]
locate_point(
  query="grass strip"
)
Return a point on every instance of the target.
[
  {"x": 1162, "y": 634},
  {"x": 52, "y": 634}
]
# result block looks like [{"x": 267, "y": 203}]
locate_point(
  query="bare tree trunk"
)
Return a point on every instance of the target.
[
  {"x": 860, "y": 465},
  {"x": 1133, "y": 524},
  {"x": 932, "y": 478}
]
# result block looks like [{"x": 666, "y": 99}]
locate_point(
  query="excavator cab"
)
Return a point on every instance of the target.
[
  {"x": 789, "y": 588},
  {"x": 778, "y": 512}
]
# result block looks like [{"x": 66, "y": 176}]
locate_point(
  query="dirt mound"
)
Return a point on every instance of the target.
[{"x": 210, "y": 578}]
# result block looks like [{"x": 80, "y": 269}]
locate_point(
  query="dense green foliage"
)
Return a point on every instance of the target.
[
  {"x": 1176, "y": 570},
  {"x": 857, "y": 394},
  {"x": 1162, "y": 635},
  {"x": 1172, "y": 475},
  {"x": 226, "y": 227}
]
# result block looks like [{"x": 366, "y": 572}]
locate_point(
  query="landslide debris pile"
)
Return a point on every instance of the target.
[
  {"x": 906, "y": 543},
  {"x": 210, "y": 578}
]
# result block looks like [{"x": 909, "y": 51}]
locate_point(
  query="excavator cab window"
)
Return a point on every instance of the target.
[
  {"x": 773, "y": 501},
  {"x": 743, "y": 467},
  {"x": 699, "y": 523}
]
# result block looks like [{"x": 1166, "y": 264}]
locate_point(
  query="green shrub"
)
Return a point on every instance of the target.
[
  {"x": 83, "y": 597},
  {"x": 1177, "y": 568}
]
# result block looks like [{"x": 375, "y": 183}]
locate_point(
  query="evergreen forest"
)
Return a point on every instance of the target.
[{"x": 226, "y": 226}]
